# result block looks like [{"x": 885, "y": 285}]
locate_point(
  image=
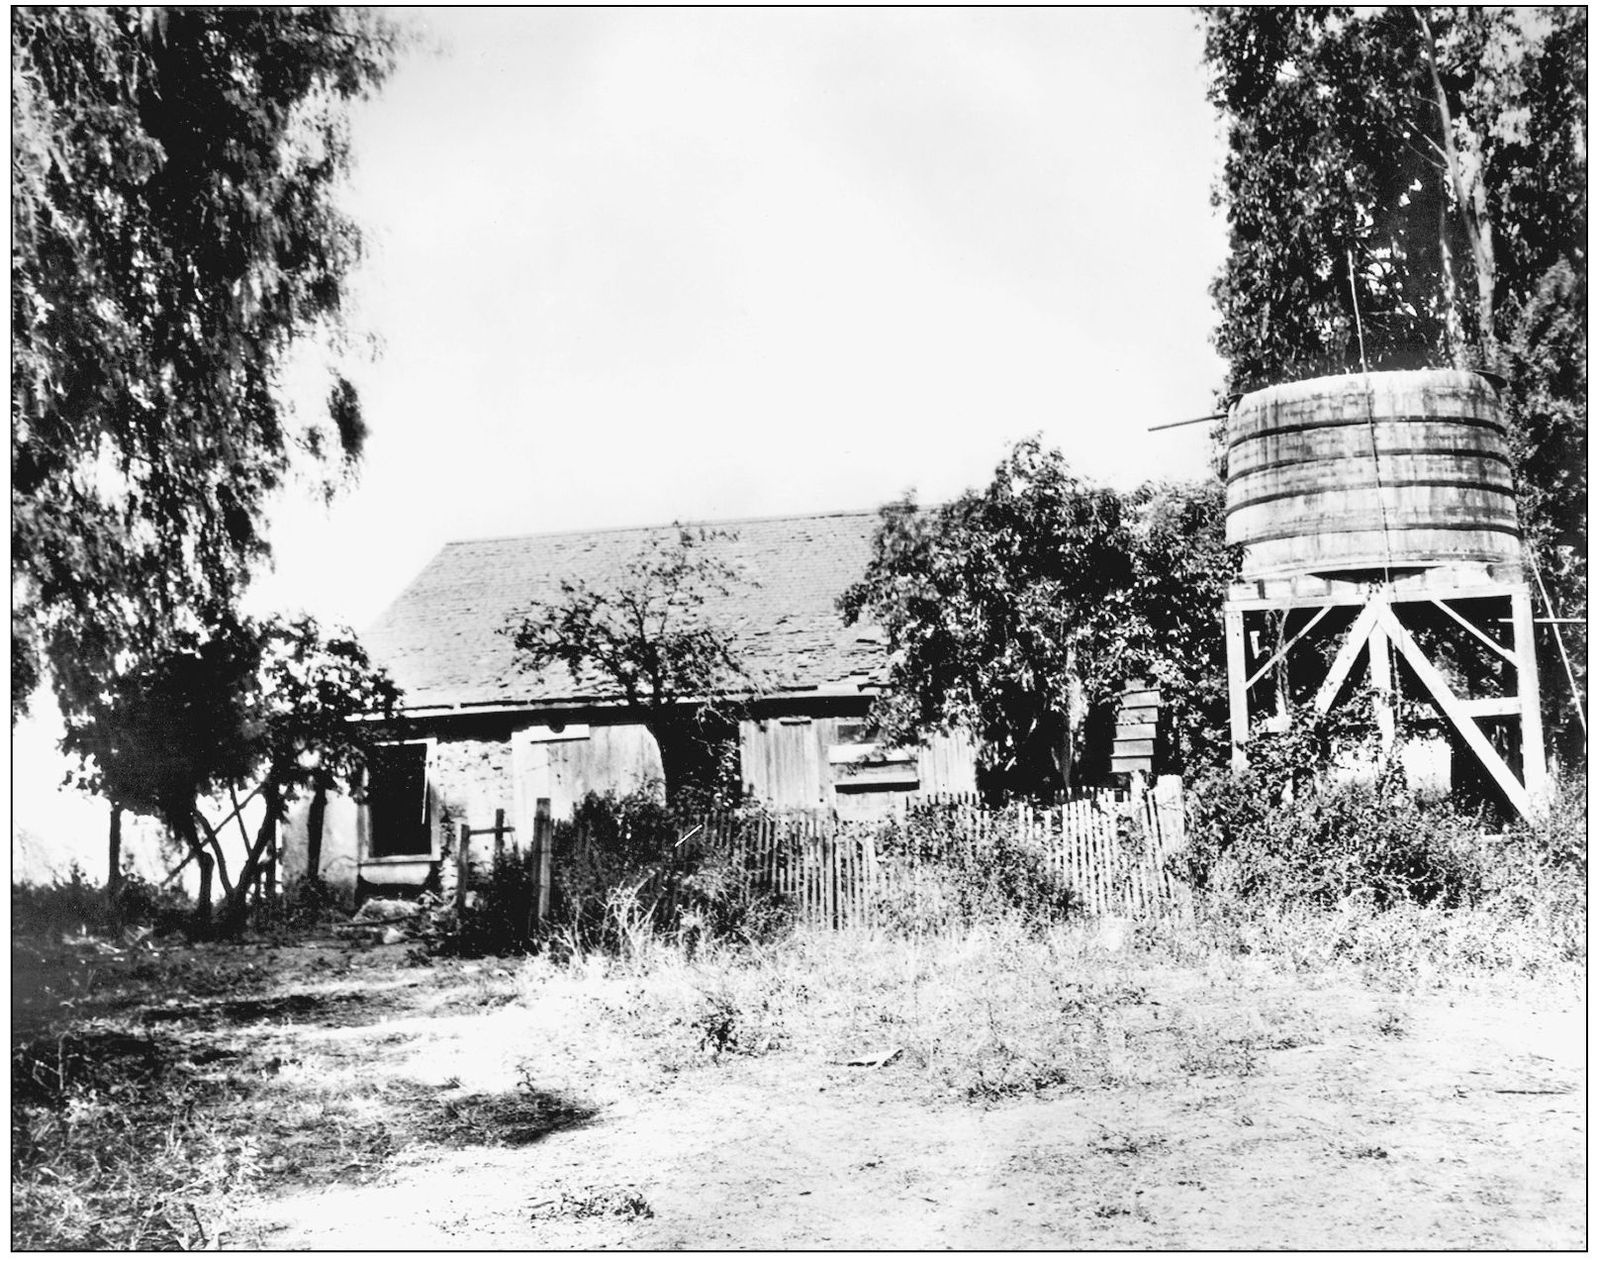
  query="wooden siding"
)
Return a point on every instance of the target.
[
  {"x": 802, "y": 764},
  {"x": 948, "y": 764},
  {"x": 784, "y": 760},
  {"x": 566, "y": 766}
]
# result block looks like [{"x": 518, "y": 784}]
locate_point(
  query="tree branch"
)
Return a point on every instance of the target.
[{"x": 216, "y": 850}]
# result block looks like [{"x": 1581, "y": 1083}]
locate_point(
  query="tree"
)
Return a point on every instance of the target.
[
  {"x": 312, "y": 687},
  {"x": 650, "y": 638},
  {"x": 1431, "y": 162},
  {"x": 174, "y": 232},
  {"x": 1171, "y": 630},
  {"x": 997, "y": 608},
  {"x": 259, "y": 709}
]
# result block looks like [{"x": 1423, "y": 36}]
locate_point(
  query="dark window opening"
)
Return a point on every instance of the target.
[{"x": 396, "y": 801}]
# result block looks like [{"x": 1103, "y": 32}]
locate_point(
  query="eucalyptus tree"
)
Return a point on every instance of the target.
[
  {"x": 174, "y": 233},
  {"x": 1406, "y": 187}
]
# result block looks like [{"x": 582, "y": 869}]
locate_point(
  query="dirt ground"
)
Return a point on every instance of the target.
[{"x": 1448, "y": 1120}]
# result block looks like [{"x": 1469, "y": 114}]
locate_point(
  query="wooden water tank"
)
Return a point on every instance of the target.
[{"x": 1370, "y": 471}]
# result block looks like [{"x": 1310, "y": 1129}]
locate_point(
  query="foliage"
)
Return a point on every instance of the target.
[
  {"x": 1537, "y": 870},
  {"x": 161, "y": 737},
  {"x": 994, "y": 606},
  {"x": 1433, "y": 160},
  {"x": 644, "y": 635},
  {"x": 174, "y": 231},
  {"x": 1011, "y": 610},
  {"x": 254, "y": 705},
  {"x": 1339, "y": 142},
  {"x": 1170, "y": 627},
  {"x": 1328, "y": 842},
  {"x": 650, "y": 637},
  {"x": 624, "y": 869},
  {"x": 949, "y": 880},
  {"x": 309, "y": 901},
  {"x": 504, "y": 918}
]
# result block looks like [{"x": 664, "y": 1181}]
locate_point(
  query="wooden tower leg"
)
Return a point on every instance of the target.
[
  {"x": 1533, "y": 751},
  {"x": 1457, "y": 712},
  {"x": 1236, "y": 665},
  {"x": 1381, "y": 682}
]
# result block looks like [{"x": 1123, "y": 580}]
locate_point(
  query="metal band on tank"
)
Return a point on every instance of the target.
[
  {"x": 1362, "y": 484},
  {"x": 1298, "y": 427},
  {"x": 1494, "y": 526},
  {"x": 1235, "y": 473}
]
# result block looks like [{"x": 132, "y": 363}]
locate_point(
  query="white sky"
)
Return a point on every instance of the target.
[
  {"x": 634, "y": 266},
  {"x": 630, "y": 266}
]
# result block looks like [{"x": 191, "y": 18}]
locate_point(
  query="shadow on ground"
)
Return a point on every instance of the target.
[{"x": 343, "y": 1007}]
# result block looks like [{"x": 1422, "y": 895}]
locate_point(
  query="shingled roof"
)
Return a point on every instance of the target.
[{"x": 440, "y": 639}]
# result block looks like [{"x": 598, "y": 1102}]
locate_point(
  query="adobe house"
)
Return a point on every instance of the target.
[{"x": 484, "y": 735}]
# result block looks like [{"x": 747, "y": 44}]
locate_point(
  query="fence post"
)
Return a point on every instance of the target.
[
  {"x": 462, "y": 868},
  {"x": 543, "y": 841}
]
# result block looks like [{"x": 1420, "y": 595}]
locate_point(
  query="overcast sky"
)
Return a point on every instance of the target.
[{"x": 635, "y": 266}]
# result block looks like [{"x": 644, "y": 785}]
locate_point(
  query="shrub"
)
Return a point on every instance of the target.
[
  {"x": 623, "y": 870},
  {"x": 502, "y": 920},
  {"x": 1537, "y": 870},
  {"x": 1329, "y": 843},
  {"x": 613, "y": 843},
  {"x": 309, "y": 901},
  {"x": 77, "y": 906},
  {"x": 948, "y": 878},
  {"x": 69, "y": 906}
]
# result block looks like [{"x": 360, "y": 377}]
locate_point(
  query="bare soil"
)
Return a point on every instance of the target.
[{"x": 391, "y": 1104}]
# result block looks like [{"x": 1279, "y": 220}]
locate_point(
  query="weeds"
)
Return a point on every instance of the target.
[
  {"x": 627, "y": 1204},
  {"x": 1123, "y": 1144},
  {"x": 948, "y": 879},
  {"x": 136, "y": 1123}
]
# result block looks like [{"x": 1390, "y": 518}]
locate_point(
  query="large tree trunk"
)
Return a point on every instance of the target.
[
  {"x": 203, "y": 911},
  {"x": 698, "y": 755},
  {"x": 113, "y": 856},
  {"x": 1469, "y": 195},
  {"x": 314, "y": 819}
]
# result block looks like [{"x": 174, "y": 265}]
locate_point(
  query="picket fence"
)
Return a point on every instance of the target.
[{"x": 1112, "y": 850}]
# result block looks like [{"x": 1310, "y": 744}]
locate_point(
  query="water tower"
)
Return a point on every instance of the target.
[{"x": 1377, "y": 505}]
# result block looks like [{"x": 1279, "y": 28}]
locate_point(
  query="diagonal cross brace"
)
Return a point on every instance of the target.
[
  {"x": 1455, "y": 711},
  {"x": 1357, "y": 634}
]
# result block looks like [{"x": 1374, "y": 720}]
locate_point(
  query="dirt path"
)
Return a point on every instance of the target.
[{"x": 1445, "y": 1121}]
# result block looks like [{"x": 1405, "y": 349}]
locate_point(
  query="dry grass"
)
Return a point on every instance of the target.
[
  {"x": 142, "y": 1124},
  {"x": 1003, "y": 1010},
  {"x": 154, "y": 1094}
]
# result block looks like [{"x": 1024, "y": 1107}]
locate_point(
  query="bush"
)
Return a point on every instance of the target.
[
  {"x": 309, "y": 901},
  {"x": 1537, "y": 870},
  {"x": 612, "y": 844},
  {"x": 1329, "y": 843},
  {"x": 77, "y": 906},
  {"x": 947, "y": 878},
  {"x": 622, "y": 869},
  {"x": 502, "y": 919},
  {"x": 69, "y": 906}
]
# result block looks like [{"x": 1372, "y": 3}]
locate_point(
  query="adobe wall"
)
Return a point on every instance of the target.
[{"x": 469, "y": 778}]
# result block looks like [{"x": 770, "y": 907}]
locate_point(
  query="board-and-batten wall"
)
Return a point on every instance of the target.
[
  {"x": 801, "y": 762},
  {"x": 565, "y": 765}
]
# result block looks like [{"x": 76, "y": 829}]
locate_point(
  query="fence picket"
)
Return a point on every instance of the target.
[{"x": 830, "y": 872}]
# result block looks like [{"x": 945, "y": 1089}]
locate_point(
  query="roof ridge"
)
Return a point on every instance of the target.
[{"x": 667, "y": 525}]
